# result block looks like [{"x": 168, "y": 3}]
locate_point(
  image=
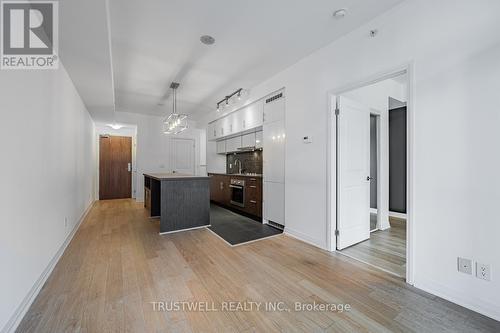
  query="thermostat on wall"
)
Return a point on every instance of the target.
[{"x": 307, "y": 139}]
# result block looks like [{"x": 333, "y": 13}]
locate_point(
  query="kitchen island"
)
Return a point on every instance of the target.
[{"x": 182, "y": 202}]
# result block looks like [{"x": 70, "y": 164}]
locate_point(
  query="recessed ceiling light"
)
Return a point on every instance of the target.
[
  {"x": 207, "y": 40},
  {"x": 115, "y": 126},
  {"x": 340, "y": 13}
]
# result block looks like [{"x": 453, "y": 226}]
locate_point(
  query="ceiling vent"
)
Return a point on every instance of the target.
[{"x": 275, "y": 97}]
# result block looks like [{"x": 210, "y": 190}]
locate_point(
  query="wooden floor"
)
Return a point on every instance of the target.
[
  {"x": 117, "y": 264},
  {"x": 385, "y": 249}
]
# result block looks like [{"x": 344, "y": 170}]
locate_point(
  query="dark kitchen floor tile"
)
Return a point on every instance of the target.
[{"x": 235, "y": 228}]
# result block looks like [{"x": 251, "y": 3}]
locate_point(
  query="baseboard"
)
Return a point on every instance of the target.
[
  {"x": 21, "y": 310},
  {"x": 397, "y": 215},
  {"x": 472, "y": 303},
  {"x": 302, "y": 237}
]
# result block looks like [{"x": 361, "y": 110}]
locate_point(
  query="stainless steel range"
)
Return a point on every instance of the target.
[{"x": 237, "y": 192}]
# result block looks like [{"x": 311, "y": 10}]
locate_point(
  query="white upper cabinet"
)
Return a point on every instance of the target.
[
  {"x": 233, "y": 144},
  {"x": 258, "y": 139},
  {"x": 221, "y": 147},
  {"x": 248, "y": 140},
  {"x": 251, "y": 116},
  {"x": 274, "y": 108},
  {"x": 212, "y": 131},
  {"x": 247, "y": 118},
  {"x": 226, "y": 126}
]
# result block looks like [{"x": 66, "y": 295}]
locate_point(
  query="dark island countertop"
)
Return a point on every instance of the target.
[
  {"x": 237, "y": 174},
  {"x": 172, "y": 176}
]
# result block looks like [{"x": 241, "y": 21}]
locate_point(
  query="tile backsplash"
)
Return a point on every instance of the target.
[{"x": 251, "y": 162}]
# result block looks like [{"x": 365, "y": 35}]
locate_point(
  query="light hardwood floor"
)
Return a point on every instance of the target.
[
  {"x": 385, "y": 249},
  {"x": 117, "y": 264}
]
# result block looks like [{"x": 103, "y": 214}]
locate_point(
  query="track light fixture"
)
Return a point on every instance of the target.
[{"x": 228, "y": 97}]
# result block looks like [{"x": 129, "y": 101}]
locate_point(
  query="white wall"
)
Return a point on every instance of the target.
[
  {"x": 457, "y": 79},
  {"x": 154, "y": 147},
  {"x": 46, "y": 172}
]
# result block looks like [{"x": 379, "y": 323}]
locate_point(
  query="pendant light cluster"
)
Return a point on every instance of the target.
[
  {"x": 175, "y": 123},
  {"x": 225, "y": 102}
]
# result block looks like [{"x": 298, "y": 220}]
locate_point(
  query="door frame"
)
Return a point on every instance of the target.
[
  {"x": 99, "y": 137},
  {"x": 172, "y": 143},
  {"x": 378, "y": 119},
  {"x": 98, "y": 133},
  {"x": 407, "y": 68}
]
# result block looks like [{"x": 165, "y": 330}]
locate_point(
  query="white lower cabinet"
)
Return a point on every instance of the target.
[{"x": 274, "y": 202}]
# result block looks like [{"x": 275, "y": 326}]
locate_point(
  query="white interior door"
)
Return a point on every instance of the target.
[
  {"x": 353, "y": 187},
  {"x": 183, "y": 156}
]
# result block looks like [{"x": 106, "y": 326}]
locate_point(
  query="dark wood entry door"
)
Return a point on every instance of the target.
[{"x": 115, "y": 167}]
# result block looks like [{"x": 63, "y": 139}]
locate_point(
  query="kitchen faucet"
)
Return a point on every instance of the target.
[{"x": 239, "y": 169}]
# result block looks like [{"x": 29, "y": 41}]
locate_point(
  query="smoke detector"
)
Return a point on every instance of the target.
[
  {"x": 207, "y": 40},
  {"x": 341, "y": 13}
]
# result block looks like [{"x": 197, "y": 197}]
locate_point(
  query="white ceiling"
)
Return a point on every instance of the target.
[
  {"x": 85, "y": 51},
  {"x": 155, "y": 42}
]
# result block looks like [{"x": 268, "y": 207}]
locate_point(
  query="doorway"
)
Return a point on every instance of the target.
[
  {"x": 115, "y": 167},
  {"x": 183, "y": 156},
  {"x": 371, "y": 173}
]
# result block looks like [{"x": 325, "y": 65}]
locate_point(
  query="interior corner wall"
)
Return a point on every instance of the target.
[
  {"x": 47, "y": 176},
  {"x": 456, "y": 79}
]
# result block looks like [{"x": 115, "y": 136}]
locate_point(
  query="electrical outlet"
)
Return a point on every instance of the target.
[
  {"x": 483, "y": 271},
  {"x": 465, "y": 265}
]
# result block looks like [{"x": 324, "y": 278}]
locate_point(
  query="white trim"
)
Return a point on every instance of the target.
[
  {"x": 21, "y": 310},
  {"x": 180, "y": 230},
  {"x": 244, "y": 243},
  {"x": 371, "y": 265},
  {"x": 374, "y": 211},
  {"x": 397, "y": 215},
  {"x": 303, "y": 237},
  {"x": 407, "y": 68},
  {"x": 458, "y": 297}
]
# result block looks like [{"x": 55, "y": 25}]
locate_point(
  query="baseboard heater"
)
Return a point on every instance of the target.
[{"x": 276, "y": 225}]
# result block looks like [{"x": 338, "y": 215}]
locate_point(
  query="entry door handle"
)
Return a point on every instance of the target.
[
  {"x": 129, "y": 167},
  {"x": 368, "y": 178}
]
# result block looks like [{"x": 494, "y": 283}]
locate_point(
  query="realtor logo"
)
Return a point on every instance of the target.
[{"x": 29, "y": 35}]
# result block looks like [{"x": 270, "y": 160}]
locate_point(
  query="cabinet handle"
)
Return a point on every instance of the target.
[
  {"x": 253, "y": 186},
  {"x": 253, "y": 201},
  {"x": 253, "y": 179},
  {"x": 244, "y": 124},
  {"x": 215, "y": 132}
]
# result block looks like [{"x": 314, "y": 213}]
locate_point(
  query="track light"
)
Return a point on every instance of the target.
[{"x": 227, "y": 98}]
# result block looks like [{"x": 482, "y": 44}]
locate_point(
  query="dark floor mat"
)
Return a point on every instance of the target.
[{"x": 235, "y": 228}]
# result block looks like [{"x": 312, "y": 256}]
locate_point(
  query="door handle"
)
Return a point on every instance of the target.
[
  {"x": 368, "y": 178},
  {"x": 129, "y": 167}
]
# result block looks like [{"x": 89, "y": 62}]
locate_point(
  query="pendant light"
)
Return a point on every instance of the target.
[{"x": 175, "y": 123}]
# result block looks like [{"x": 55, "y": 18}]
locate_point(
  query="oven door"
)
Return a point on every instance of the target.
[{"x": 237, "y": 195}]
